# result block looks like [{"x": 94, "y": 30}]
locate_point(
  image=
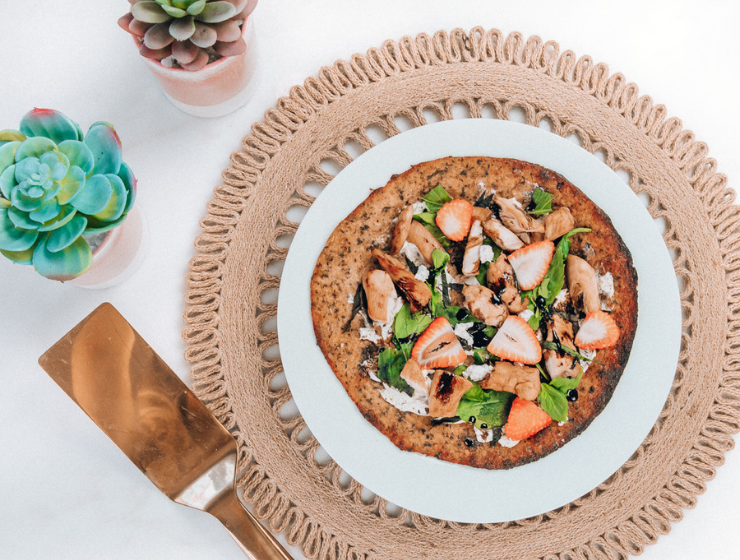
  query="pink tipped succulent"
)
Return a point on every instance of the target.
[{"x": 188, "y": 33}]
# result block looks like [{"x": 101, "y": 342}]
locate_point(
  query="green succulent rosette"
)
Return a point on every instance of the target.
[{"x": 57, "y": 184}]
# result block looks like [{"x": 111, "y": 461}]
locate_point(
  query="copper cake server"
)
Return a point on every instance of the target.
[{"x": 137, "y": 400}]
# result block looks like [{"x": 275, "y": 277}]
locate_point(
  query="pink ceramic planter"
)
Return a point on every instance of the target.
[
  {"x": 218, "y": 89},
  {"x": 118, "y": 256}
]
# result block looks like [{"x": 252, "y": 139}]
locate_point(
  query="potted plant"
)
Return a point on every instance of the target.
[
  {"x": 60, "y": 192},
  {"x": 199, "y": 50}
]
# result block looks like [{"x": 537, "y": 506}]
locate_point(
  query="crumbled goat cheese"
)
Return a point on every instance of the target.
[
  {"x": 412, "y": 253},
  {"x": 420, "y": 207},
  {"x": 561, "y": 297},
  {"x": 590, "y": 354},
  {"x": 351, "y": 299},
  {"x": 472, "y": 281},
  {"x": 477, "y": 372},
  {"x": 506, "y": 442},
  {"x": 483, "y": 436},
  {"x": 515, "y": 202},
  {"x": 386, "y": 330},
  {"x": 368, "y": 333},
  {"x": 527, "y": 314},
  {"x": 403, "y": 402},
  {"x": 371, "y": 375},
  {"x": 461, "y": 331},
  {"x": 380, "y": 240},
  {"x": 422, "y": 273},
  {"x": 606, "y": 285},
  {"x": 486, "y": 253}
]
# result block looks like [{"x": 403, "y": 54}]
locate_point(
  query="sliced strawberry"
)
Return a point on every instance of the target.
[
  {"x": 598, "y": 330},
  {"x": 525, "y": 420},
  {"x": 455, "y": 218},
  {"x": 438, "y": 347},
  {"x": 515, "y": 341},
  {"x": 530, "y": 263}
]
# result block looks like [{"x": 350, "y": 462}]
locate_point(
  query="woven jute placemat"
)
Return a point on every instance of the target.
[{"x": 233, "y": 281}]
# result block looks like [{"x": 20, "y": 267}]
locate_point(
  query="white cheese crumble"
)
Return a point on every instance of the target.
[
  {"x": 461, "y": 331},
  {"x": 515, "y": 202},
  {"x": 417, "y": 405},
  {"x": 486, "y": 253},
  {"x": 606, "y": 285},
  {"x": 506, "y": 442},
  {"x": 422, "y": 273},
  {"x": 477, "y": 372},
  {"x": 590, "y": 354},
  {"x": 371, "y": 374},
  {"x": 483, "y": 436},
  {"x": 527, "y": 314},
  {"x": 351, "y": 299},
  {"x": 420, "y": 207},
  {"x": 368, "y": 333},
  {"x": 412, "y": 253},
  {"x": 380, "y": 240},
  {"x": 472, "y": 281},
  {"x": 561, "y": 297}
]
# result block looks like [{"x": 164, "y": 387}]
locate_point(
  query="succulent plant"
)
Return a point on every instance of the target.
[
  {"x": 190, "y": 33},
  {"x": 55, "y": 186}
]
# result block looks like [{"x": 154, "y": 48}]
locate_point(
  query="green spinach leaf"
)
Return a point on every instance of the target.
[
  {"x": 436, "y": 198},
  {"x": 406, "y": 324},
  {"x": 488, "y": 407},
  {"x": 553, "y": 402},
  {"x": 390, "y": 365},
  {"x": 543, "y": 202}
]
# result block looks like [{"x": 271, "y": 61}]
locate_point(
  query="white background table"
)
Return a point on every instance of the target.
[{"x": 66, "y": 492}]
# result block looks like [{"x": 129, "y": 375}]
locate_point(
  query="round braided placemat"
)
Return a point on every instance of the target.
[{"x": 233, "y": 282}]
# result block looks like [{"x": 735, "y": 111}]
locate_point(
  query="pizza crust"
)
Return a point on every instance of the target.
[{"x": 347, "y": 257}]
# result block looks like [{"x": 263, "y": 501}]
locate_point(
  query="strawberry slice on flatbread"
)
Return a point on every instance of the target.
[
  {"x": 438, "y": 347},
  {"x": 455, "y": 218},
  {"x": 525, "y": 420},
  {"x": 515, "y": 341},
  {"x": 530, "y": 263},
  {"x": 597, "y": 331}
]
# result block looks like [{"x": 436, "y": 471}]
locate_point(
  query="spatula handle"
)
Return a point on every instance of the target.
[{"x": 254, "y": 540}]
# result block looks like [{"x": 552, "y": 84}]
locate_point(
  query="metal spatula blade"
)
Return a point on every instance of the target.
[{"x": 116, "y": 378}]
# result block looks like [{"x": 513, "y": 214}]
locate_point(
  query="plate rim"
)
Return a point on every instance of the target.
[{"x": 355, "y": 459}]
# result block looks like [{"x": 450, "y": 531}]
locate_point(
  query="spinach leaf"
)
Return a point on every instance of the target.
[
  {"x": 439, "y": 259},
  {"x": 481, "y": 355},
  {"x": 553, "y": 402},
  {"x": 459, "y": 369},
  {"x": 436, "y": 198},
  {"x": 488, "y": 407},
  {"x": 390, "y": 365},
  {"x": 543, "y": 202},
  {"x": 482, "y": 271},
  {"x": 563, "y": 384},
  {"x": 406, "y": 324}
]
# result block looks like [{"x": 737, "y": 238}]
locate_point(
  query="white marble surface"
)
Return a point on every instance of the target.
[{"x": 65, "y": 491}]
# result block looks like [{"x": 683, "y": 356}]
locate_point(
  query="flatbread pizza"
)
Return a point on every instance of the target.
[{"x": 477, "y": 310}]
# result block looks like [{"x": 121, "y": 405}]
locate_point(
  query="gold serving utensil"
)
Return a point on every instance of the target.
[{"x": 116, "y": 378}]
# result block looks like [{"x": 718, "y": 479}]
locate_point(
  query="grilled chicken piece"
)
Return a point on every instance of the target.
[
  {"x": 515, "y": 218},
  {"x": 412, "y": 374},
  {"x": 445, "y": 393},
  {"x": 481, "y": 214},
  {"x": 583, "y": 284},
  {"x": 500, "y": 278},
  {"x": 520, "y": 380},
  {"x": 561, "y": 365},
  {"x": 401, "y": 231},
  {"x": 424, "y": 240},
  {"x": 471, "y": 258},
  {"x": 501, "y": 235},
  {"x": 381, "y": 296},
  {"x": 485, "y": 305},
  {"x": 417, "y": 292},
  {"x": 558, "y": 223}
]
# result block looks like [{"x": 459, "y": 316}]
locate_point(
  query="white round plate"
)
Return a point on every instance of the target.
[{"x": 471, "y": 495}]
